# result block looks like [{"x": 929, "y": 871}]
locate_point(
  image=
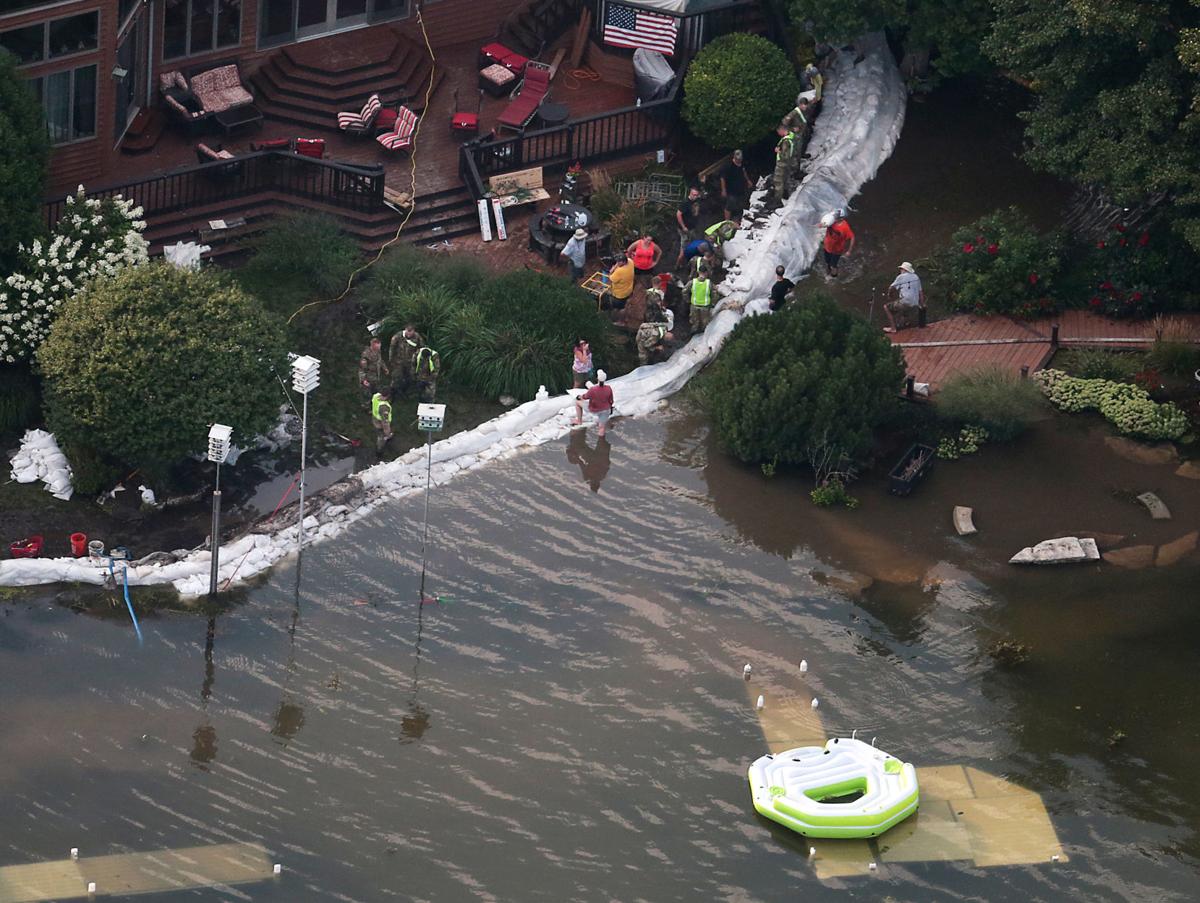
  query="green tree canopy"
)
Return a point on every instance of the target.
[
  {"x": 26, "y": 148},
  {"x": 813, "y": 374},
  {"x": 138, "y": 365},
  {"x": 1116, "y": 94},
  {"x": 951, "y": 31},
  {"x": 737, "y": 89}
]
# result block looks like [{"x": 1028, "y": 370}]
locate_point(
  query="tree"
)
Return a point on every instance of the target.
[
  {"x": 948, "y": 33},
  {"x": 737, "y": 89},
  {"x": 1116, "y": 94},
  {"x": 813, "y": 377},
  {"x": 26, "y": 148},
  {"x": 139, "y": 365}
]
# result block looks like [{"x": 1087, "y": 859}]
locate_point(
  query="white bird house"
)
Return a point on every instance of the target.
[
  {"x": 219, "y": 436},
  {"x": 306, "y": 374},
  {"x": 431, "y": 417}
]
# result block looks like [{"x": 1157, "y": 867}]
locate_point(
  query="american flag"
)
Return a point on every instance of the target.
[{"x": 628, "y": 27}]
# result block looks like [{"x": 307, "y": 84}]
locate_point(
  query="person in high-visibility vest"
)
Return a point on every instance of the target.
[
  {"x": 425, "y": 370},
  {"x": 700, "y": 295},
  {"x": 401, "y": 352},
  {"x": 381, "y": 417},
  {"x": 785, "y": 153},
  {"x": 719, "y": 233}
]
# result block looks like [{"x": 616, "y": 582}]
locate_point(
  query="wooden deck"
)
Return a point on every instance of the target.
[{"x": 968, "y": 342}]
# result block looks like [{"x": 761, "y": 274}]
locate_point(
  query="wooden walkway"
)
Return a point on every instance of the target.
[{"x": 969, "y": 342}]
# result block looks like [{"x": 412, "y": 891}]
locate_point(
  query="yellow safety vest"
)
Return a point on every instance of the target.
[
  {"x": 378, "y": 405},
  {"x": 701, "y": 292}
]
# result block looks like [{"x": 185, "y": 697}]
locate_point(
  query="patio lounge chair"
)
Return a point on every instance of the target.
[
  {"x": 401, "y": 135},
  {"x": 361, "y": 123},
  {"x": 206, "y": 154},
  {"x": 527, "y": 97}
]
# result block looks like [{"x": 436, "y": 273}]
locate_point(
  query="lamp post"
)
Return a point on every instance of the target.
[
  {"x": 218, "y": 450},
  {"x": 430, "y": 419},
  {"x": 306, "y": 376}
]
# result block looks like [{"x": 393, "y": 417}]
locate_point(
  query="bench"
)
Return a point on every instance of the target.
[{"x": 516, "y": 188}]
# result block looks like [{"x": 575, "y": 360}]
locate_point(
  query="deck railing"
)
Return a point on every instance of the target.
[
  {"x": 627, "y": 130},
  {"x": 356, "y": 188}
]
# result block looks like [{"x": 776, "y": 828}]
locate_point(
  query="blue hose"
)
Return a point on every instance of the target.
[{"x": 128, "y": 603}]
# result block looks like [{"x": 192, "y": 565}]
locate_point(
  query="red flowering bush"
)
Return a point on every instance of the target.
[
  {"x": 1124, "y": 270},
  {"x": 1001, "y": 264}
]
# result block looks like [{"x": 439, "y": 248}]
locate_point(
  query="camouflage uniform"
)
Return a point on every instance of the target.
[
  {"x": 400, "y": 356},
  {"x": 785, "y": 156},
  {"x": 372, "y": 370},
  {"x": 426, "y": 367}
]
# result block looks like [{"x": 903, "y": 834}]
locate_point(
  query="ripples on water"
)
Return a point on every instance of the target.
[{"x": 567, "y": 721}]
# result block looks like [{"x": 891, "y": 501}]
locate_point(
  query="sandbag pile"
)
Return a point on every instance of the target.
[{"x": 40, "y": 458}]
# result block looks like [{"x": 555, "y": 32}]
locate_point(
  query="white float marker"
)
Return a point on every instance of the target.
[
  {"x": 74, "y": 852},
  {"x": 761, "y": 702},
  {"x": 803, "y": 666},
  {"x": 871, "y": 866},
  {"x": 1054, "y": 858},
  {"x": 815, "y": 703},
  {"x": 91, "y": 888},
  {"x": 746, "y": 672},
  {"x": 278, "y": 869},
  {"x": 812, "y": 851}
]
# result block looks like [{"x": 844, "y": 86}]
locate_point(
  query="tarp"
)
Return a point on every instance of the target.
[{"x": 652, "y": 74}]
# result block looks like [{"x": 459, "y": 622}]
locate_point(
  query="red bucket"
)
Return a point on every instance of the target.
[
  {"x": 78, "y": 544},
  {"x": 30, "y": 547}
]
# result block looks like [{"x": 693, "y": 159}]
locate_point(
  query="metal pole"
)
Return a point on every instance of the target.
[
  {"x": 216, "y": 536},
  {"x": 425, "y": 530},
  {"x": 303, "y": 454}
]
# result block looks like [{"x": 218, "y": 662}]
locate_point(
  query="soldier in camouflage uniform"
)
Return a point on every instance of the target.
[
  {"x": 401, "y": 353},
  {"x": 655, "y": 328},
  {"x": 372, "y": 371},
  {"x": 427, "y": 366},
  {"x": 785, "y": 157}
]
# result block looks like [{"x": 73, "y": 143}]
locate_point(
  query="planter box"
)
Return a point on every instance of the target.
[{"x": 911, "y": 469}]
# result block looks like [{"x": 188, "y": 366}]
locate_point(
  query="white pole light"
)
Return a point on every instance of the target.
[
  {"x": 219, "y": 436},
  {"x": 306, "y": 376}
]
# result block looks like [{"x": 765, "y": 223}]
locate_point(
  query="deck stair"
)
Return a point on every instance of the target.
[
  {"x": 308, "y": 84},
  {"x": 535, "y": 25}
]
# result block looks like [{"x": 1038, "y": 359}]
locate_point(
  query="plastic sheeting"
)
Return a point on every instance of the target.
[
  {"x": 652, "y": 74},
  {"x": 854, "y": 134}
]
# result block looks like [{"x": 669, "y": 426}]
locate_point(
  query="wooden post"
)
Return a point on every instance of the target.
[
  {"x": 921, "y": 314},
  {"x": 1054, "y": 336},
  {"x": 1024, "y": 371},
  {"x": 909, "y": 384}
]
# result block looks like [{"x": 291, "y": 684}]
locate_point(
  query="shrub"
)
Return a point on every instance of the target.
[
  {"x": 141, "y": 363},
  {"x": 1129, "y": 408},
  {"x": 967, "y": 442},
  {"x": 737, "y": 89},
  {"x": 1096, "y": 363},
  {"x": 1123, "y": 275},
  {"x": 405, "y": 269},
  {"x": 633, "y": 219},
  {"x": 93, "y": 237},
  {"x": 20, "y": 399},
  {"x": 1175, "y": 350},
  {"x": 306, "y": 256},
  {"x": 1000, "y": 264},
  {"x": 999, "y": 401},
  {"x": 811, "y": 377},
  {"x": 22, "y": 164},
  {"x": 831, "y": 493}
]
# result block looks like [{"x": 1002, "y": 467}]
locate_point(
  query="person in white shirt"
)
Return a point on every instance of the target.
[{"x": 906, "y": 294}]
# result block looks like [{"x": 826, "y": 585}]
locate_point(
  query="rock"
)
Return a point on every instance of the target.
[
  {"x": 1142, "y": 452},
  {"x": 1171, "y": 552},
  {"x": 1158, "y": 511},
  {"x": 1189, "y": 470},
  {"x": 342, "y": 491},
  {"x": 1064, "y": 550},
  {"x": 1089, "y": 548},
  {"x": 1103, "y": 540},
  {"x": 962, "y": 520},
  {"x": 1132, "y": 557}
]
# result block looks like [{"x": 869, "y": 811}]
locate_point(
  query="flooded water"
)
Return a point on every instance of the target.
[{"x": 569, "y": 722}]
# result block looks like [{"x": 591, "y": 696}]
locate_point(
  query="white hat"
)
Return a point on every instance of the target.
[
  {"x": 601, "y": 376},
  {"x": 907, "y": 267},
  {"x": 827, "y": 220},
  {"x": 581, "y": 234}
]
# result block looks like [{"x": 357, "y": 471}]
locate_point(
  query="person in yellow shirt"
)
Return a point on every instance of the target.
[{"x": 620, "y": 280}]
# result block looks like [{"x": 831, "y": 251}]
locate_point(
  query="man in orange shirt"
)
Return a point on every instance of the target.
[{"x": 839, "y": 239}]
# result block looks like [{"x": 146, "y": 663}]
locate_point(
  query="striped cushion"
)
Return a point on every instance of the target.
[
  {"x": 363, "y": 118},
  {"x": 402, "y": 135}
]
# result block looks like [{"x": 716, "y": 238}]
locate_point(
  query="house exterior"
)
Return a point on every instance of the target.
[{"x": 95, "y": 63}]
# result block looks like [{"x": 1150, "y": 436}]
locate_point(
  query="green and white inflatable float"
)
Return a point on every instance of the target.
[{"x": 874, "y": 791}]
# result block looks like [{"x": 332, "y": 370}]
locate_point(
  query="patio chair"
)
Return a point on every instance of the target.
[
  {"x": 465, "y": 122},
  {"x": 206, "y": 154},
  {"x": 356, "y": 125},
  {"x": 401, "y": 135},
  {"x": 526, "y": 99}
]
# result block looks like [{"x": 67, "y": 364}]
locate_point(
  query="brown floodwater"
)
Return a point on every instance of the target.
[{"x": 569, "y": 722}]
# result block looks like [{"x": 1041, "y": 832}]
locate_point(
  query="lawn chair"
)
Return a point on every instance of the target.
[
  {"x": 206, "y": 154},
  {"x": 464, "y": 122},
  {"x": 356, "y": 125},
  {"x": 527, "y": 98},
  {"x": 401, "y": 135}
]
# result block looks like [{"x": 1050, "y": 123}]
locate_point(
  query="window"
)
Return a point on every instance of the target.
[
  {"x": 53, "y": 39},
  {"x": 198, "y": 26},
  {"x": 69, "y": 99}
]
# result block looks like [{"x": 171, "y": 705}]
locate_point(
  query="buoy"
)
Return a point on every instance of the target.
[
  {"x": 761, "y": 702},
  {"x": 815, "y": 703},
  {"x": 91, "y": 887},
  {"x": 871, "y": 866},
  {"x": 812, "y": 851},
  {"x": 74, "y": 852},
  {"x": 1054, "y": 858},
  {"x": 278, "y": 869},
  {"x": 803, "y": 666},
  {"x": 746, "y": 672}
]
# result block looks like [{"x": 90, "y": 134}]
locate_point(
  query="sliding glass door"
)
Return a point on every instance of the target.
[{"x": 281, "y": 21}]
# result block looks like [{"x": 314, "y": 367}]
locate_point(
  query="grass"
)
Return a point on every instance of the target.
[
  {"x": 999, "y": 401},
  {"x": 1096, "y": 363}
]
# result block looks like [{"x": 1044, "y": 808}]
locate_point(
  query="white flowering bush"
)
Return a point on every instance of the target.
[
  {"x": 93, "y": 238},
  {"x": 1127, "y": 407}
]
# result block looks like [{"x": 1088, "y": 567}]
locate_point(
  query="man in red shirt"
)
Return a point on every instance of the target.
[
  {"x": 839, "y": 239},
  {"x": 600, "y": 401}
]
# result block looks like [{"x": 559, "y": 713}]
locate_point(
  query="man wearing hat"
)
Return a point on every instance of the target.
[
  {"x": 600, "y": 403},
  {"x": 838, "y": 241},
  {"x": 907, "y": 295},
  {"x": 575, "y": 250}
]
